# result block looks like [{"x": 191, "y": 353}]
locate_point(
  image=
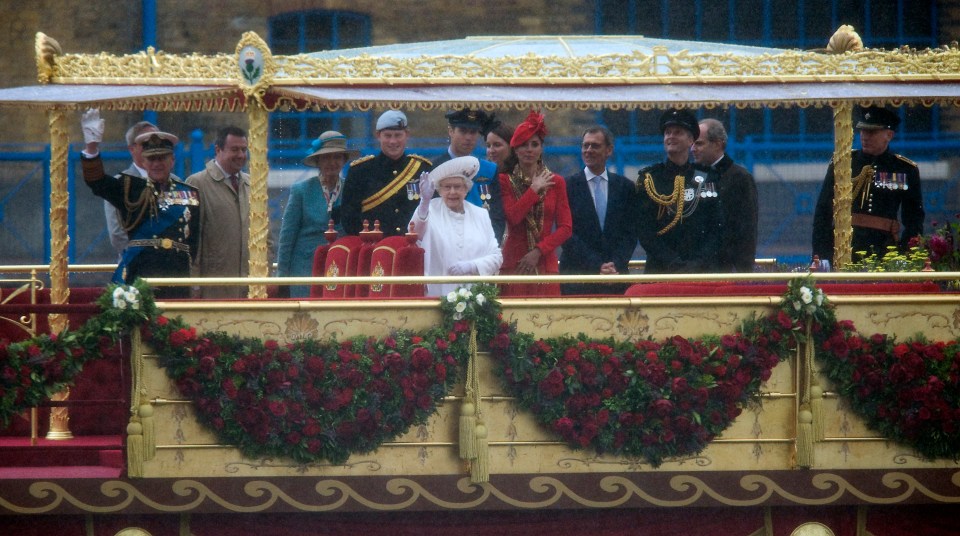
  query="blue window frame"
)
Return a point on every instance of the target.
[
  {"x": 313, "y": 31},
  {"x": 803, "y": 24}
]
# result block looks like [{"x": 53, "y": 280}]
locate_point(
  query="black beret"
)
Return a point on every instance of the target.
[
  {"x": 876, "y": 117},
  {"x": 683, "y": 118},
  {"x": 467, "y": 118}
]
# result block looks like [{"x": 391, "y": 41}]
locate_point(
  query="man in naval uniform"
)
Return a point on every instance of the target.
[
  {"x": 679, "y": 222},
  {"x": 384, "y": 187},
  {"x": 887, "y": 208},
  {"x": 464, "y": 128},
  {"x": 160, "y": 213}
]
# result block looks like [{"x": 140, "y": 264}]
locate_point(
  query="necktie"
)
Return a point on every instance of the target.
[
  {"x": 235, "y": 182},
  {"x": 599, "y": 199}
]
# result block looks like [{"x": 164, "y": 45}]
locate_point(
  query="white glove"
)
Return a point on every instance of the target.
[
  {"x": 92, "y": 126},
  {"x": 426, "y": 188},
  {"x": 426, "y": 194},
  {"x": 464, "y": 268}
]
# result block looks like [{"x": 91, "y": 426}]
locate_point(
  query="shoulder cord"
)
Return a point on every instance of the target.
[
  {"x": 138, "y": 208},
  {"x": 862, "y": 182},
  {"x": 667, "y": 202}
]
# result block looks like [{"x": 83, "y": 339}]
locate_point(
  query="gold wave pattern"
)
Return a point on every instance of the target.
[{"x": 400, "y": 494}]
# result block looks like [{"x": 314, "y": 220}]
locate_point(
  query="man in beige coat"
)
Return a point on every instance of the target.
[{"x": 225, "y": 215}]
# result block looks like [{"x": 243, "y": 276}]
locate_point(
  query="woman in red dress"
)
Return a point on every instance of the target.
[{"x": 538, "y": 214}]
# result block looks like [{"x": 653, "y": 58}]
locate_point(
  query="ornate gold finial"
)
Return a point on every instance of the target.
[
  {"x": 255, "y": 65},
  {"x": 845, "y": 39},
  {"x": 47, "y": 49}
]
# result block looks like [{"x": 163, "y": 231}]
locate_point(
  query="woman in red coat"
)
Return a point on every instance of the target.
[{"x": 538, "y": 215}]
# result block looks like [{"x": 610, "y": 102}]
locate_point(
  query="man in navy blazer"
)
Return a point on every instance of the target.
[{"x": 604, "y": 223}]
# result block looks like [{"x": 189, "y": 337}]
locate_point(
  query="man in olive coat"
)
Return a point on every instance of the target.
[{"x": 224, "y": 215}]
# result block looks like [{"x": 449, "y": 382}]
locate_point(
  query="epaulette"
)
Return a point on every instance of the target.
[
  {"x": 422, "y": 159},
  {"x": 905, "y": 159},
  {"x": 180, "y": 182},
  {"x": 647, "y": 169},
  {"x": 362, "y": 159}
]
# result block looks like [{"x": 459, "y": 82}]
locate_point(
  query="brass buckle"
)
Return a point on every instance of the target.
[{"x": 166, "y": 243}]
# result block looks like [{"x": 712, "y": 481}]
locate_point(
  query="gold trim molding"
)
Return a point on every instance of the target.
[{"x": 661, "y": 67}]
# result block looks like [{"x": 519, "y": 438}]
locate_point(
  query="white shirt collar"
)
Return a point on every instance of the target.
[{"x": 589, "y": 174}]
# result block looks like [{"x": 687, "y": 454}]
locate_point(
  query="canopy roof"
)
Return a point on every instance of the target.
[{"x": 496, "y": 72}]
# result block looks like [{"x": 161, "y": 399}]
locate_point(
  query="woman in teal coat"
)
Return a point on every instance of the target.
[{"x": 309, "y": 209}]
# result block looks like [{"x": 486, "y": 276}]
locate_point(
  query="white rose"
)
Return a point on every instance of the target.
[
  {"x": 796, "y": 306},
  {"x": 806, "y": 295},
  {"x": 461, "y": 307},
  {"x": 120, "y": 304},
  {"x": 130, "y": 297},
  {"x": 819, "y": 298},
  {"x": 480, "y": 299},
  {"x": 118, "y": 292},
  {"x": 463, "y": 292},
  {"x": 451, "y": 297}
]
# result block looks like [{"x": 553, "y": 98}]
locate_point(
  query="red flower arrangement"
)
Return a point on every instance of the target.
[
  {"x": 33, "y": 370},
  {"x": 310, "y": 400},
  {"x": 906, "y": 391},
  {"x": 640, "y": 399}
]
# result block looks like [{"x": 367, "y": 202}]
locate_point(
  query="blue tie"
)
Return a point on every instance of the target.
[{"x": 599, "y": 199}]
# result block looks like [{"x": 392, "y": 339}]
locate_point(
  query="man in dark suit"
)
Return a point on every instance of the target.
[
  {"x": 737, "y": 197},
  {"x": 604, "y": 226}
]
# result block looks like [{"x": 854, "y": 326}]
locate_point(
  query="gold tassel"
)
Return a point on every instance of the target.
[
  {"x": 470, "y": 409},
  {"x": 468, "y": 423},
  {"x": 804, "y": 437},
  {"x": 816, "y": 410},
  {"x": 149, "y": 432},
  {"x": 134, "y": 450},
  {"x": 480, "y": 469}
]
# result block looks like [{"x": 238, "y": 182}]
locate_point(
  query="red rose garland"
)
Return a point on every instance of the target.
[
  {"x": 310, "y": 400},
  {"x": 324, "y": 400}
]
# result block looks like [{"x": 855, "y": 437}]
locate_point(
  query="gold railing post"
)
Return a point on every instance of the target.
[{"x": 843, "y": 187}]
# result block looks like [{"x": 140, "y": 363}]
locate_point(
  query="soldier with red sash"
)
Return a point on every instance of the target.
[
  {"x": 384, "y": 187},
  {"x": 159, "y": 213}
]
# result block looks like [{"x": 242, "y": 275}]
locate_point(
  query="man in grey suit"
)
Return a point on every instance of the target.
[{"x": 604, "y": 223}]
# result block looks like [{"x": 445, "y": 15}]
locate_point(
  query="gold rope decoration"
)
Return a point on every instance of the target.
[
  {"x": 259, "y": 219},
  {"x": 843, "y": 185},
  {"x": 675, "y": 200}
]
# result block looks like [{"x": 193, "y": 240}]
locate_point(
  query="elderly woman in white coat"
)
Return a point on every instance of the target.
[{"x": 457, "y": 237}]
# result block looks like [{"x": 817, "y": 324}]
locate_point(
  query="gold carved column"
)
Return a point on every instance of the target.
[
  {"x": 842, "y": 187},
  {"x": 259, "y": 218},
  {"x": 59, "y": 200},
  {"x": 59, "y": 241},
  {"x": 255, "y": 71}
]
